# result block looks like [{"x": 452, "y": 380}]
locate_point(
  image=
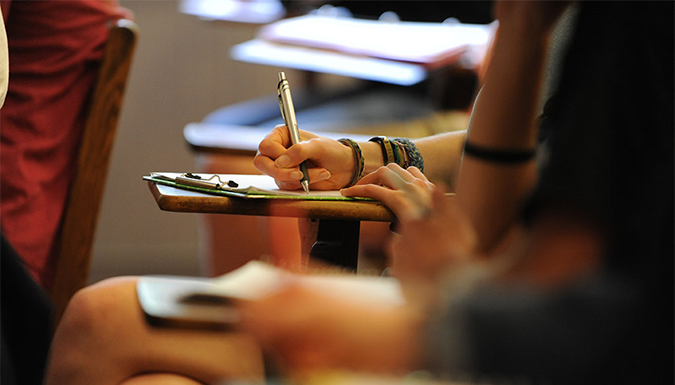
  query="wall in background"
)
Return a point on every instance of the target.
[{"x": 181, "y": 72}]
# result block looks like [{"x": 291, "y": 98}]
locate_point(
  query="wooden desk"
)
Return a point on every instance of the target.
[
  {"x": 337, "y": 223},
  {"x": 235, "y": 11},
  {"x": 402, "y": 53}
]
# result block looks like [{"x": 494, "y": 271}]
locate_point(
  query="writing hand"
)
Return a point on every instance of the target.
[{"x": 330, "y": 163}]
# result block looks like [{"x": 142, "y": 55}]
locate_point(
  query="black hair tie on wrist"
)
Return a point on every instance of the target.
[{"x": 498, "y": 155}]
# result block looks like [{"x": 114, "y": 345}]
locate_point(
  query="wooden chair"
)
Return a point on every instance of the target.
[{"x": 79, "y": 220}]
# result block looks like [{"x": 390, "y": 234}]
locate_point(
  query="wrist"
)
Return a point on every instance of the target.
[
  {"x": 358, "y": 163},
  {"x": 372, "y": 155}
]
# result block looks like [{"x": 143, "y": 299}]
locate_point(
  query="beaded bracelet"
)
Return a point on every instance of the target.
[
  {"x": 498, "y": 155},
  {"x": 358, "y": 160},
  {"x": 412, "y": 152}
]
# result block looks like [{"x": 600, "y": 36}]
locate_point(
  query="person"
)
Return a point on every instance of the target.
[
  {"x": 55, "y": 48},
  {"x": 567, "y": 290},
  {"x": 578, "y": 255},
  {"x": 24, "y": 327}
]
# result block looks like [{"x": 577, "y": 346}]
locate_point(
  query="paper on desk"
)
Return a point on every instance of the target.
[
  {"x": 248, "y": 186},
  {"x": 430, "y": 44},
  {"x": 256, "y": 280}
]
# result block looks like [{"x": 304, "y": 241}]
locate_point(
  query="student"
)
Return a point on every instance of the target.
[
  {"x": 55, "y": 50},
  {"x": 589, "y": 259},
  {"x": 24, "y": 327},
  {"x": 573, "y": 289}
]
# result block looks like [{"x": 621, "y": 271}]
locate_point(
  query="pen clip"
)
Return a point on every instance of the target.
[
  {"x": 280, "y": 99},
  {"x": 191, "y": 179},
  {"x": 281, "y": 107}
]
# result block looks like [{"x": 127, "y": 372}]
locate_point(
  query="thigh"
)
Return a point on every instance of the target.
[{"x": 103, "y": 338}]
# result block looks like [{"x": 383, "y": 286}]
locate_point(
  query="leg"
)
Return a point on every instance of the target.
[{"x": 103, "y": 339}]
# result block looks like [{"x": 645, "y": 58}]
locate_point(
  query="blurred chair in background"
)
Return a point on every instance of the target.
[{"x": 78, "y": 227}]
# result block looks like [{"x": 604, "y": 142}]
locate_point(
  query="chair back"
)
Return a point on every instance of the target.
[{"x": 78, "y": 225}]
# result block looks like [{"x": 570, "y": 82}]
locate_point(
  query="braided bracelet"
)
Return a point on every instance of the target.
[
  {"x": 359, "y": 162},
  {"x": 412, "y": 152},
  {"x": 498, "y": 155},
  {"x": 403, "y": 159}
]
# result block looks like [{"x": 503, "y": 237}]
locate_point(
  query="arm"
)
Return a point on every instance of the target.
[
  {"x": 504, "y": 118},
  {"x": 331, "y": 164},
  {"x": 509, "y": 319},
  {"x": 310, "y": 331}
]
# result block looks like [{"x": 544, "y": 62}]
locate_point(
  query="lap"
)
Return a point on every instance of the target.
[{"x": 104, "y": 327}]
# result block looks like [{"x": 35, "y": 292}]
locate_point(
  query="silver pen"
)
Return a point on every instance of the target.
[{"x": 288, "y": 114}]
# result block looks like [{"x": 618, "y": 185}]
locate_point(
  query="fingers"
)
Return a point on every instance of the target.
[
  {"x": 275, "y": 143},
  {"x": 277, "y": 146},
  {"x": 406, "y": 193},
  {"x": 281, "y": 163},
  {"x": 414, "y": 171}
]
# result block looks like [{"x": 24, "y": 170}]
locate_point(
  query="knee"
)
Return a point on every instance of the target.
[{"x": 96, "y": 310}]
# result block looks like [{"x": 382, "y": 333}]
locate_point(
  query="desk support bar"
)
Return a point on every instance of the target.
[{"x": 337, "y": 243}]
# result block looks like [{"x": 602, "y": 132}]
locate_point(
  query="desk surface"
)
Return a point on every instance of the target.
[
  {"x": 250, "y": 11},
  {"x": 239, "y": 140},
  {"x": 178, "y": 200},
  {"x": 258, "y": 51}
]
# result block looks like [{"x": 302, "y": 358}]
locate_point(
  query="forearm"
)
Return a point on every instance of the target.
[
  {"x": 442, "y": 155},
  {"x": 504, "y": 118}
]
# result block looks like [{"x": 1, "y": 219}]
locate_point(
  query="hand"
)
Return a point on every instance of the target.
[
  {"x": 406, "y": 192},
  {"x": 309, "y": 331},
  {"x": 330, "y": 164},
  {"x": 425, "y": 249}
]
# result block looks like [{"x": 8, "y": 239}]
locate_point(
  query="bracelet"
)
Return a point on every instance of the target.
[
  {"x": 388, "y": 154},
  {"x": 358, "y": 160},
  {"x": 499, "y": 155},
  {"x": 413, "y": 154},
  {"x": 403, "y": 159}
]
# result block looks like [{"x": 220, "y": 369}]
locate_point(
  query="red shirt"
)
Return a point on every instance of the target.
[{"x": 55, "y": 48}]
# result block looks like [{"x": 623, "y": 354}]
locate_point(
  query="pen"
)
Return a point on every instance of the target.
[{"x": 288, "y": 114}]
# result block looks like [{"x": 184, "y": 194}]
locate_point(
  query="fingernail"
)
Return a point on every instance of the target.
[
  {"x": 323, "y": 176},
  {"x": 282, "y": 161},
  {"x": 297, "y": 175}
]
